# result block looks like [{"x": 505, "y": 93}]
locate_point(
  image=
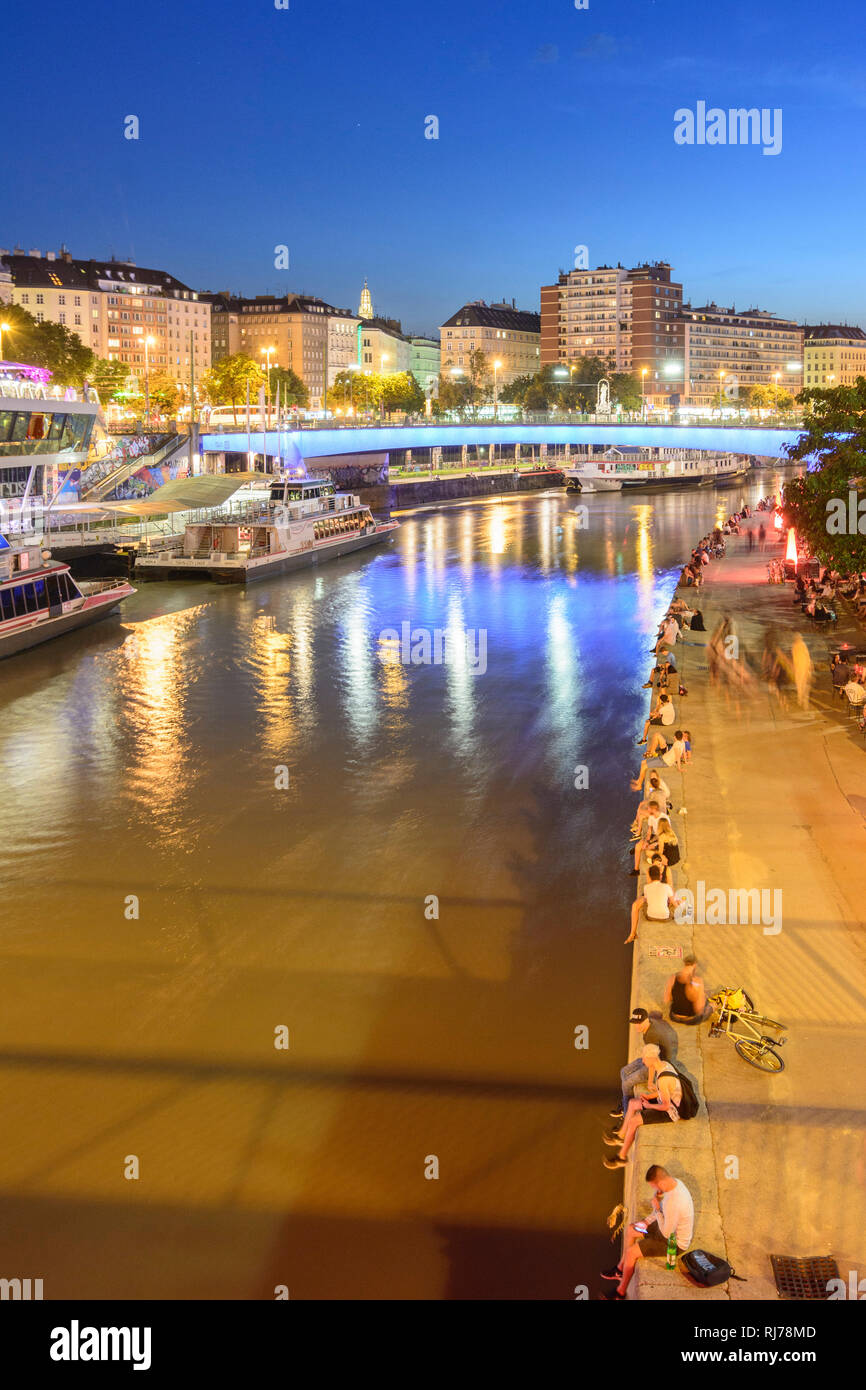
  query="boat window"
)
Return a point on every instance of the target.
[
  {"x": 6, "y": 418},
  {"x": 7, "y": 607}
]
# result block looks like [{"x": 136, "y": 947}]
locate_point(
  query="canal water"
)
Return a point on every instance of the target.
[{"x": 234, "y": 820}]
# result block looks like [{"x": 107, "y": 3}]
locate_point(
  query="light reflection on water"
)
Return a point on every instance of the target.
[{"x": 140, "y": 758}]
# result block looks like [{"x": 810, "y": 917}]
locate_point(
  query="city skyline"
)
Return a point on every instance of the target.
[{"x": 552, "y": 128}]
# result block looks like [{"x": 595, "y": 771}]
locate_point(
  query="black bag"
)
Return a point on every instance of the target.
[
  {"x": 707, "y": 1270},
  {"x": 690, "y": 1104},
  {"x": 697, "y": 623}
]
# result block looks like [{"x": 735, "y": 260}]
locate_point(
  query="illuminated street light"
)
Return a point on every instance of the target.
[
  {"x": 266, "y": 353},
  {"x": 4, "y": 328}
]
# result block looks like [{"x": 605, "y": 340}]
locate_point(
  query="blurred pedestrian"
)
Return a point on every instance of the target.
[{"x": 802, "y": 664}]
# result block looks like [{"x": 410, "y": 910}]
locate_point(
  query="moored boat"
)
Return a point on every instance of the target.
[
  {"x": 302, "y": 522},
  {"x": 39, "y": 599}
]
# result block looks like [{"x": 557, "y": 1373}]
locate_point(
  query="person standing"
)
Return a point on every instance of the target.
[{"x": 802, "y": 664}]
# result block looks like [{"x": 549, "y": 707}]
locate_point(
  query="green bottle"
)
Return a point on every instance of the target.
[{"x": 671, "y": 1258}]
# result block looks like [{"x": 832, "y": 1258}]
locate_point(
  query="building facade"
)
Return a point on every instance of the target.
[
  {"x": 629, "y": 318},
  {"x": 833, "y": 354},
  {"x": 426, "y": 364},
  {"x": 725, "y": 352},
  {"x": 305, "y": 334},
  {"x": 504, "y": 333},
  {"x": 122, "y": 311}
]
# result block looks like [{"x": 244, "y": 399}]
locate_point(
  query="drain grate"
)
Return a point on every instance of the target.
[{"x": 804, "y": 1278}]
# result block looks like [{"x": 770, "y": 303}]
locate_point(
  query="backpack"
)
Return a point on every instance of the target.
[
  {"x": 707, "y": 1270},
  {"x": 697, "y": 623},
  {"x": 690, "y": 1104}
]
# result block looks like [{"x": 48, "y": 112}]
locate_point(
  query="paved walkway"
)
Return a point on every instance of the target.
[{"x": 775, "y": 799}]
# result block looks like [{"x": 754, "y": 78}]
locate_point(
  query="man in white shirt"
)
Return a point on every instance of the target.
[
  {"x": 672, "y": 757},
  {"x": 855, "y": 691},
  {"x": 662, "y": 715},
  {"x": 657, "y": 899},
  {"x": 672, "y": 1211}
]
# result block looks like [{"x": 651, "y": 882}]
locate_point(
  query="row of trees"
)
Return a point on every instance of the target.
[
  {"x": 824, "y": 504},
  {"x": 554, "y": 387},
  {"x": 373, "y": 391}
]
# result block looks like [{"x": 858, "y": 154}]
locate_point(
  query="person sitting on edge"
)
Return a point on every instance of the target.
[
  {"x": 672, "y": 1211},
  {"x": 653, "y": 1029},
  {"x": 647, "y": 812},
  {"x": 656, "y": 858},
  {"x": 658, "y": 748},
  {"x": 660, "y": 1106},
  {"x": 662, "y": 716},
  {"x": 657, "y": 899},
  {"x": 686, "y": 996},
  {"x": 672, "y": 758},
  {"x": 668, "y": 844},
  {"x": 648, "y": 842},
  {"x": 657, "y": 792},
  {"x": 687, "y": 740}
]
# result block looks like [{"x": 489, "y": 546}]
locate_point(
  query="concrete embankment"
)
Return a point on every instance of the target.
[
  {"x": 775, "y": 799},
  {"x": 397, "y": 496}
]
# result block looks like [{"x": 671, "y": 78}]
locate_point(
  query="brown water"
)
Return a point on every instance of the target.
[{"x": 139, "y": 764}]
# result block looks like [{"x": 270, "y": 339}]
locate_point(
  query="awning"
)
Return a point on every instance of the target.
[{"x": 188, "y": 494}]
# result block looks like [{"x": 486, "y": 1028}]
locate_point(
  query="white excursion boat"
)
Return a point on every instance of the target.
[
  {"x": 39, "y": 599},
  {"x": 302, "y": 522},
  {"x": 614, "y": 471}
]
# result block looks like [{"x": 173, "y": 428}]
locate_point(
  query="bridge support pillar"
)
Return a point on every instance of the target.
[
  {"x": 464, "y": 456},
  {"x": 491, "y": 454},
  {"x": 435, "y": 457}
]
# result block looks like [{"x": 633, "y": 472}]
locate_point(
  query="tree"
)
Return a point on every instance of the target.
[
  {"x": 768, "y": 396},
  {"x": 165, "y": 394},
  {"x": 536, "y": 397},
  {"x": 360, "y": 390},
  {"x": 834, "y": 446},
  {"x": 455, "y": 393},
  {"x": 225, "y": 383},
  {"x": 47, "y": 344},
  {"x": 109, "y": 378},
  {"x": 400, "y": 391},
  {"x": 479, "y": 376},
  {"x": 512, "y": 392},
  {"x": 625, "y": 390},
  {"x": 291, "y": 387}
]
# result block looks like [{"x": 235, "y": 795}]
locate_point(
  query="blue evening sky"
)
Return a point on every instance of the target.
[{"x": 305, "y": 127}]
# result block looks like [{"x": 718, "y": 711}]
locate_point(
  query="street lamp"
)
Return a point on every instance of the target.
[
  {"x": 496, "y": 365},
  {"x": 643, "y": 372},
  {"x": 148, "y": 343},
  {"x": 266, "y": 353},
  {"x": 4, "y": 328},
  {"x": 721, "y": 376}
]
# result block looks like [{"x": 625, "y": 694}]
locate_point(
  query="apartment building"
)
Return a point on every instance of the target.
[
  {"x": 122, "y": 311},
  {"x": 504, "y": 333},
  {"x": 725, "y": 352},
  {"x": 629, "y": 318},
  {"x": 833, "y": 354},
  {"x": 426, "y": 364},
  {"x": 305, "y": 334}
]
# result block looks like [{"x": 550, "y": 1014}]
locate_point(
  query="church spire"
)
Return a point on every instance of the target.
[{"x": 365, "y": 308}]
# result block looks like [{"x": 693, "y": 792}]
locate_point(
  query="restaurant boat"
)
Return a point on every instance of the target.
[
  {"x": 616, "y": 470},
  {"x": 302, "y": 522},
  {"x": 39, "y": 599}
]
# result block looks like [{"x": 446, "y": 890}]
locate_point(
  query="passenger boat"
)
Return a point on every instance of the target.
[
  {"x": 302, "y": 522},
  {"x": 614, "y": 471},
  {"x": 39, "y": 599}
]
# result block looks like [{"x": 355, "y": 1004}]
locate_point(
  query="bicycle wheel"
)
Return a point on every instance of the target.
[{"x": 759, "y": 1055}]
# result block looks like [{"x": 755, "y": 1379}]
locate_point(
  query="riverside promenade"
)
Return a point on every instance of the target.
[{"x": 776, "y": 800}]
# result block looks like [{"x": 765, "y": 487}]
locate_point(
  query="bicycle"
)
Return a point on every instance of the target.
[{"x": 739, "y": 1020}]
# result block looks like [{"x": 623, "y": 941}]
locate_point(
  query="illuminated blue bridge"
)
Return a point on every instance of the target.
[{"x": 756, "y": 441}]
